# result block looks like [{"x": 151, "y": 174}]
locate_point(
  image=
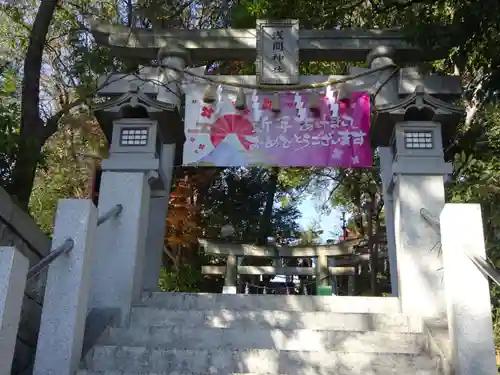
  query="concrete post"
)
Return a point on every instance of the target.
[
  {"x": 118, "y": 269},
  {"x": 155, "y": 239},
  {"x": 377, "y": 58},
  {"x": 170, "y": 92},
  {"x": 467, "y": 291},
  {"x": 13, "y": 269},
  {"x": 332, "y": 279},
  {"x": 60, "y": 339},
  {"x": 231, "y": 275},
  {"x": 388, "y": 94},
  {"x": 171, "y": 79},
  {"x": 322, "y": 273},
  {"x": 351, "y": 285},
  {"x": 158, "y": 210},
  {"x": 421, "y": 289},
  {"x": 386, "y": 159}
]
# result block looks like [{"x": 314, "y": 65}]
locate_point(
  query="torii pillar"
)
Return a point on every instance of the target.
[{"x": 168, "y": 92}]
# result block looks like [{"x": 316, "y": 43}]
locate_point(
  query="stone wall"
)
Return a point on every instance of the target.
[{"x": 18, "y": 229}]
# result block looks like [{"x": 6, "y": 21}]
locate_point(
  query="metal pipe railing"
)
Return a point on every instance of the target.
[
  {"x": 115, "y": 211},
  {"x": 68, "y": 244},
  {"x": 481, "y": 264},
  {"x": 434, "y": 222},
  {"x": 486, "y": 268}
]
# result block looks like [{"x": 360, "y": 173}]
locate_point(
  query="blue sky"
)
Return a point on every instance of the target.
[{"x": 328, "y": 222}]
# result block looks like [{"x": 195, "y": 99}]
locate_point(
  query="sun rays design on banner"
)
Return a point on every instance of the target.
[
  {"x": 235, "y": 124},
  {"x": 234, "y": 133}
]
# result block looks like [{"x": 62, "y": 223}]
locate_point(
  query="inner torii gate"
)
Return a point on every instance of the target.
[{"x": 414, "y": 121}]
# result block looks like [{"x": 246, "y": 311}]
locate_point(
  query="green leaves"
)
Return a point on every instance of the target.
[
  {"x": 183, "y": 280},
  {"x": 239, "y": 195},
  {"x": 10, "y": 107}
]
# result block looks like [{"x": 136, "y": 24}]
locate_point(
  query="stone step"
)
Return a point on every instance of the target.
[
  {"x": 318, "y": 320},
  {"x": 252, "y": 302},
  {"x": 262, "y": 338},
  {"x": 88, "y": 372},
  {"x": 225, "y": 362}
]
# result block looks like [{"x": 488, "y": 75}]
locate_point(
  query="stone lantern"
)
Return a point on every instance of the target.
[{"x": 142, "y": 132}]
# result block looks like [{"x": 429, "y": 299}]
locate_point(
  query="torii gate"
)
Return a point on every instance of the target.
[{"x": 413, "y": 122}]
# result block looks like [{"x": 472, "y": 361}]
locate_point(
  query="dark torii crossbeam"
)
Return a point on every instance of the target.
[{"x": 241, "y": 44}]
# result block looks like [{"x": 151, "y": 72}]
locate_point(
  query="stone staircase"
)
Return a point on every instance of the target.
[{"x": 181, "y": 334}]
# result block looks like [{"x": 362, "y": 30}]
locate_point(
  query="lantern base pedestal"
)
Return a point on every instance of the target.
[
  {"x": 229, "y": 290},
  {"x": 324, "y": 290}
]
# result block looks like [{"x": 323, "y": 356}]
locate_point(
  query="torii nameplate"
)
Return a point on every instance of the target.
[{"x": 278, "y": 52}]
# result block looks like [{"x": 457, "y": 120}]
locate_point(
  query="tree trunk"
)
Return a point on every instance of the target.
[
  {"x": 32, "y": 134},
  {"x": 265, "y": 227},
  {"x": 265, "y": 221},
  {"x": 374, "y": 258},
  {"x": 374, "y": 242}
]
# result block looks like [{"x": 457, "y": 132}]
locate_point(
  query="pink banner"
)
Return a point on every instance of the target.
[{"x": 336, "y": 135}]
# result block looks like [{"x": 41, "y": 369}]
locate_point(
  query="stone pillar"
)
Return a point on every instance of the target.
[
  {"x": 387, "y": 80},
  {"x": 231, "y": 276},
  {"x": 119, "y": 263},
  {"x": 158, "y": 209},
  {"x": 60, "y": 339},
  {"x": 467, "y": 291},
  {"x": 170, "y": 93},
  {"x": 175, "y": 57},
  {"x": 388, "y": 94},
  {"x": 419, "y": 183},
  {"x": 351, "y": 285},
  {"x": 332, "y": 279},
  {"x": 155, "y": 240},
  {"x": 386, "y": 158},
  {"x": 322, "y": 274},
  {"x": 13, "y": 269}
]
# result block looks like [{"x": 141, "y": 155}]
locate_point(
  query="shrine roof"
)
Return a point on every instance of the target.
[{"x": 420, "y": 107}]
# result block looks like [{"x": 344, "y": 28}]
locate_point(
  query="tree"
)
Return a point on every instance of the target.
[
  {"x": 311, "y": 235},
  {"x": 9, "y": 122},
  {"x": 470, "y": 32},
  {"x": 239, "y": 196},
  {"x": 184, "y": 214},
  {"x": 59, "y": 40},
  {"x": 33, "y": 131},
  {"x": 10, "y": 94},
  {"x": 59, "y": 71}
]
